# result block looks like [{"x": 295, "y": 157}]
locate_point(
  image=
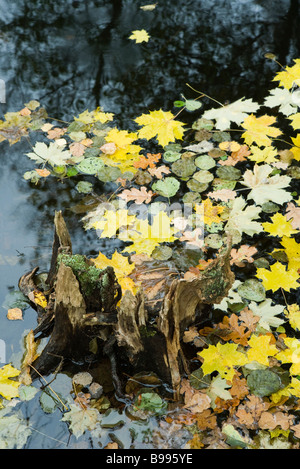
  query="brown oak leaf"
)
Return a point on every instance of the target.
[{"x": 242, "y": 255}]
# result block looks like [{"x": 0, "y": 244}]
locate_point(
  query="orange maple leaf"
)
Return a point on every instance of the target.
[
  {"x": 235, "y": 332},
  {"x": 150, "y": 160}
]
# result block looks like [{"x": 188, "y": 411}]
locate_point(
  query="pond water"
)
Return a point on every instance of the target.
[{"x": 76, "y": 55}]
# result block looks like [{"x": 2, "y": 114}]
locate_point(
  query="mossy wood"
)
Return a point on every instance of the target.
[{"x": 85, "y": 302}]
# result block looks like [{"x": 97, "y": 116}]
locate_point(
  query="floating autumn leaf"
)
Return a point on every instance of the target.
[
  {"x": 234, "y": 330},
  {"x": 14, "y": 127},
  {"x": 109, "y": 148},
  {"x": 293, "y": 215},
  {"x": 139, "y": 196},
  {"x": 278, "y": 277},
  {"x": 261, "y": 349},
  {"x": 148, "y": 7},
  {"x": 263, "y": 155},
  {"x": 279, "y": 226},
  {"x": 161, "y": 125},
  {"x": 230, "y": 146},
  {"x": 55, "y": 133},
  {"x": 87, "y": 117},
  {"x": 43, "y": 172},
  {"x": 145, "y": 237},
  {"x": 53, "y": 154},
  {"x": 266, "y": 188},
  {"x": 292, "y": 313},
  {"x": 121, "y": 138},
  {"x": 159, "y": 172},
  {"x": 222, "y": 194},
  {"x": 122, "y": 269},
  {"x": 112, "y": 221},
  {"x": 14, "y": 314},
  {"x": 81, "y": 419},
  {"x": 291, "y": 354},
  {"x": 211, "y": 212},
  {"x": 295, "y": 118},
  {"x": 292, "y": 250},
  {"x": 282, "y": 98},
  {"x": 249, "y": 319},
  {"x": 296, "y": 149},
  {"x": 125, "y": 153},
  {"x": 259, "y": 130},
  {"x": 241, "y": 218},
  {"x": 193, "y": 238},
  {"x": 139, "y": 35},
  {"x": 267, "y": 313},
  {"x": 9, "y": 387},
  {"x": 222, "y": 358},
  {"x": 77, "y": 149},
  {"x": 235, "y": 112},
  {"x": 244, "y": 253},
  {"x": 147, "y": 161},
  {"x": 289, "y": 76},
  {"x": 270, "y": 421}
]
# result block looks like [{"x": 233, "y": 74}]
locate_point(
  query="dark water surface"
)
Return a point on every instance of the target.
[{"x": 76, "y": 55}]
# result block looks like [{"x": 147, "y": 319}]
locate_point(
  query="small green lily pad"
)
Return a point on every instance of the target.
[
  {"x": 197, "y": 186},
  {"x": 203, "y": 176},
  {"x": 90, "y": 165},
  {"x": 252, "y": 289},
  {"x": 84, "y": 187},
  {"x": 183, "y": 167},
  {"x": 171, "y": 156},
  {"x": 162, "y": 253},
  {"x": 109, "y": 174},
  {"x": 205, "y": 162},
  {"x": 166, "y": 187},
  {"x": 228, "y": 172},
  {"x": 263, "y": 382}
]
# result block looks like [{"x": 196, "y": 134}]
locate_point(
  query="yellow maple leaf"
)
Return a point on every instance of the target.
[
  {"x": 211, "y": 212},
  {"x": 160, "y": 124},
  {"x": 222, "y": 358},
  {"x": 289, "y": 76},
  {"x": 146, "y": 237},
  {"x": 291, "y": 354},
  {"x": 101, "y": 116},
  {"x": 296, "y": 149},
  {"x": 121, "y": 138},
  {"x": 263, "y": 155},
  {"x": 122, "y": 269},
  {"x": 258, "y": 130},
  {"x": 292, "y": 312},
  {"x": 295, "y": 118},
  {"x": 88, "y": 117},
  {"x": 140, "y": 35},
  {"x": 261, "y": 349},
  {"x": 278, "y": 277},
  {"x": 112, "y": 221},
  {"x": 9, "y": 387},
  {"x": 279, "y": 226},
  {"x": 292, "y": 250}
]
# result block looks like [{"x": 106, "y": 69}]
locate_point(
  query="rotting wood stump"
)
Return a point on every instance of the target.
[{"x": 84, "y": 303}]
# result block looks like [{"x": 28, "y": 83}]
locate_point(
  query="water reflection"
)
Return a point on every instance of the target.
[{"x": 76, "y": 55}]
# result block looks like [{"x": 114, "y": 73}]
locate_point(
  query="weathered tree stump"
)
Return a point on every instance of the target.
[{"x": 85, "y": 302}]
